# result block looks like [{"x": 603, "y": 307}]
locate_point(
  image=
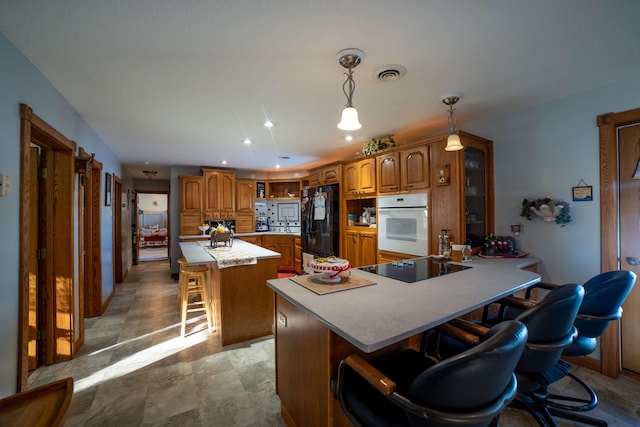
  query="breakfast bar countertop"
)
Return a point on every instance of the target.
[{"x": 390, "y": 311}]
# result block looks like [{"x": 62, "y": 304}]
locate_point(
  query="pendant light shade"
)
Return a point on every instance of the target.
[
  {"x": 349, "y": 119},
  {"x": 349, "y": 59},
  {"x": 453, "y": 141}
]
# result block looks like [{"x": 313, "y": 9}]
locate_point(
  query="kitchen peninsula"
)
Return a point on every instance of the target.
[
  {"x": 315, "y": 332},
  {"x": 242, "y": 304}
]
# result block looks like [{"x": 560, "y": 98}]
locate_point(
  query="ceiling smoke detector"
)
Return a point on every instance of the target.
[{"x": 390, "y": 73}]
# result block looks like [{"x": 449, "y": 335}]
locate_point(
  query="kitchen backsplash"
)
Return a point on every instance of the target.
[{"x": 284, "y": 216}]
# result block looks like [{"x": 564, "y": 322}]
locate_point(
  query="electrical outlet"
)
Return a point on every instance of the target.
[
  {"x": 5, "y": 185},
  {"x": 282, "y": 319}
]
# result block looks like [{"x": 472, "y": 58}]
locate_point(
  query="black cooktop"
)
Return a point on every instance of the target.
[{"x": 414, "y": 270}]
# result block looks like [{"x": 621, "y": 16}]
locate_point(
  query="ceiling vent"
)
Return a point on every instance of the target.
[{"x": 390, "y": 73}]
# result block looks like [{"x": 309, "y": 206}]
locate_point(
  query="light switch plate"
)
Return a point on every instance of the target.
[
  {"x": 5, "y": 185},
  {"x": 282, "y": 319}
]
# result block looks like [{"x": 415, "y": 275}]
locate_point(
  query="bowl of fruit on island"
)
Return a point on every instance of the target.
[
  {"x": 221, "y": 234},
  {"x": 203, "y": 228},
  {"x": 332, "y": 269}
]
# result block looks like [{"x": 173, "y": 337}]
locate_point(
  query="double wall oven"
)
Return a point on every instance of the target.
[{"x": 402, "y": 224}]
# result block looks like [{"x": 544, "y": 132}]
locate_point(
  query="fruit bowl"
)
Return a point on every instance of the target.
[
  {"x": 203, "y": 228},
  {"x": 332, "y": 269}
]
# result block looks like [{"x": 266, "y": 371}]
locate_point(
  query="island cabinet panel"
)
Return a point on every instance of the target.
[
  {"x": 414, "y": 168},
  {"x": 242, "y": 303},
  {"x": 284, "y": 246},
  {"x": 245, "y": 195},
  {"x": 307, "y": 359},
  {"x": 191, "y": 191},
  {"x": 219, "y": 193},
  {"x": 359, "y": 178},
  {"x": 388, "y": 173}
]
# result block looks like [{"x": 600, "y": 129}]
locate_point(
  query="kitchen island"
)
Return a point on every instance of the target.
[
  {"x": 242, "y": 303},
  {"x": 315, "y": 332}
]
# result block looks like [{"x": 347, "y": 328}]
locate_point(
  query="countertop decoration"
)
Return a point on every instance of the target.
[
  {"x": 548, "y": 209},
  {"x": 376, "y": 145}
]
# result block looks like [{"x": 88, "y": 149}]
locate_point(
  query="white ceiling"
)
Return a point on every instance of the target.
[{"x": 167, "y": 82}]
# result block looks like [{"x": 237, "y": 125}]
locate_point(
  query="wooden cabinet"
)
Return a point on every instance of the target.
[
  {"x": 387, "y": 256},
  {"x": 281, "y": 188},
  {"x": 359, "y": 178},
  {"x": 325, "y": 175},
  {"x": 284, "y": 246},
  {"x": 245, "y": 195},
  {"x": 191, "y": 191},
  {"x": 388, "y": 172},
  {"x": 297, "y": 255},
  {"x": 219, "y": 193},
  {"x": 245, "y": 222},
  {"x": 464, "y": 205},
  {"x": 189, "y": 222},
  {"x": 414, "y": 168},
  {"x": 405, "y": 170},
  {"x": 360, "y": 247},
  {"x": 256, "y": 240}
]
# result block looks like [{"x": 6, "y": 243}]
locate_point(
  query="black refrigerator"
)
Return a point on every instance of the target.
[{"x": 320, "y": 214}]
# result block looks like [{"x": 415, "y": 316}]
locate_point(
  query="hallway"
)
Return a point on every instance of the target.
[{"x": 135, "y": 370}]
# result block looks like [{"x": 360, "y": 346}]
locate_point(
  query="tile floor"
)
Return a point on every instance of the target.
[{"x": 135, "y": 370}]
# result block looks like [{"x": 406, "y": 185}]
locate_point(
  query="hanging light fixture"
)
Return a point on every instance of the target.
[
  {"x": 349, "y": 59},
  {"x": 453, "y": 141}
]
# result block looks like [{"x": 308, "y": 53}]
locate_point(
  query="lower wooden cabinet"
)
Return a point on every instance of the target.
[
  {"x": 297, "y": 255},
  {"x": 255, "y": 240},
  {"x": 360, "y": 247},
  {"x": 386, "y": 256},
  {"x": 284, "y": 246}
]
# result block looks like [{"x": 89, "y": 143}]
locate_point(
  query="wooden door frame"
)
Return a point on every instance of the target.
[
  {"x": 33, "y": 128},
  {"x": 609, "y": 224},
  {"x": 116, "y": 206}
]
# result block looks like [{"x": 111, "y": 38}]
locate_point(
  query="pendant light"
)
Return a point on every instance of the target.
[
  {"x": 349, "y": 59},
  {"x": 453, "y": 141}
]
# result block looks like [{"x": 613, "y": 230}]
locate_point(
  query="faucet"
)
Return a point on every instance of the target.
[{"x": 287, "y": 229}]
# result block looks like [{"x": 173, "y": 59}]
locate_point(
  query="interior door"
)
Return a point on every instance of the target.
[{"x": 629, "y": 194}]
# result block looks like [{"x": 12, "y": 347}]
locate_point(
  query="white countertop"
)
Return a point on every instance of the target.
[
  {"x": 196, "y": 254},
  {"x": 373, "y": 317}
]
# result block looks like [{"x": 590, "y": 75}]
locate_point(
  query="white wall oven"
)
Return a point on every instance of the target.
[{"x": 402, "y": 224}]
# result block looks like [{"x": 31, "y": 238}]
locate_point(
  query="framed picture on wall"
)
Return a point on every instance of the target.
[{"x": 107, "y": 189}]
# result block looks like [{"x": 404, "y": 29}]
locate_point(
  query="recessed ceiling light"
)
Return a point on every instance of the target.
[
  {"x": 348, "y": 138},
  {"x": 224, "y": 162},
  {"x": 247, "y": 141},
  {"x": 269, "y": 124},
  {"x": 277, "y": 165}
]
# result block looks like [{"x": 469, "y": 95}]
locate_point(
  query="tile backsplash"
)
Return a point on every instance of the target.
[{"x": 277, "y": 210}]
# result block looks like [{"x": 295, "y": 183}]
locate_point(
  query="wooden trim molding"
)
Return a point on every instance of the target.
[
  {"x": 609, "y": 214},
  {"x": 36, "y": 130}
]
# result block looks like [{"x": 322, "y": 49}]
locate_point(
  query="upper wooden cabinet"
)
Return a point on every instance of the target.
[
  {"x": 388, "y": 172},
  {"x": 191, "y": 191},
  {"x": 414, "y": 168},
  {"x": 359, "y": 178},
  {"x": 405, "y": 170},
  {"x": 463, "y": 204},
  {"x": 219, "y": 193},
  {"x": 325, "y": 175},
  {"x": 245, "y": 195}
]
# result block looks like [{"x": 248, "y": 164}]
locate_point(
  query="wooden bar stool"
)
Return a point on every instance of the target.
[{"x": 192, "y": 283}]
